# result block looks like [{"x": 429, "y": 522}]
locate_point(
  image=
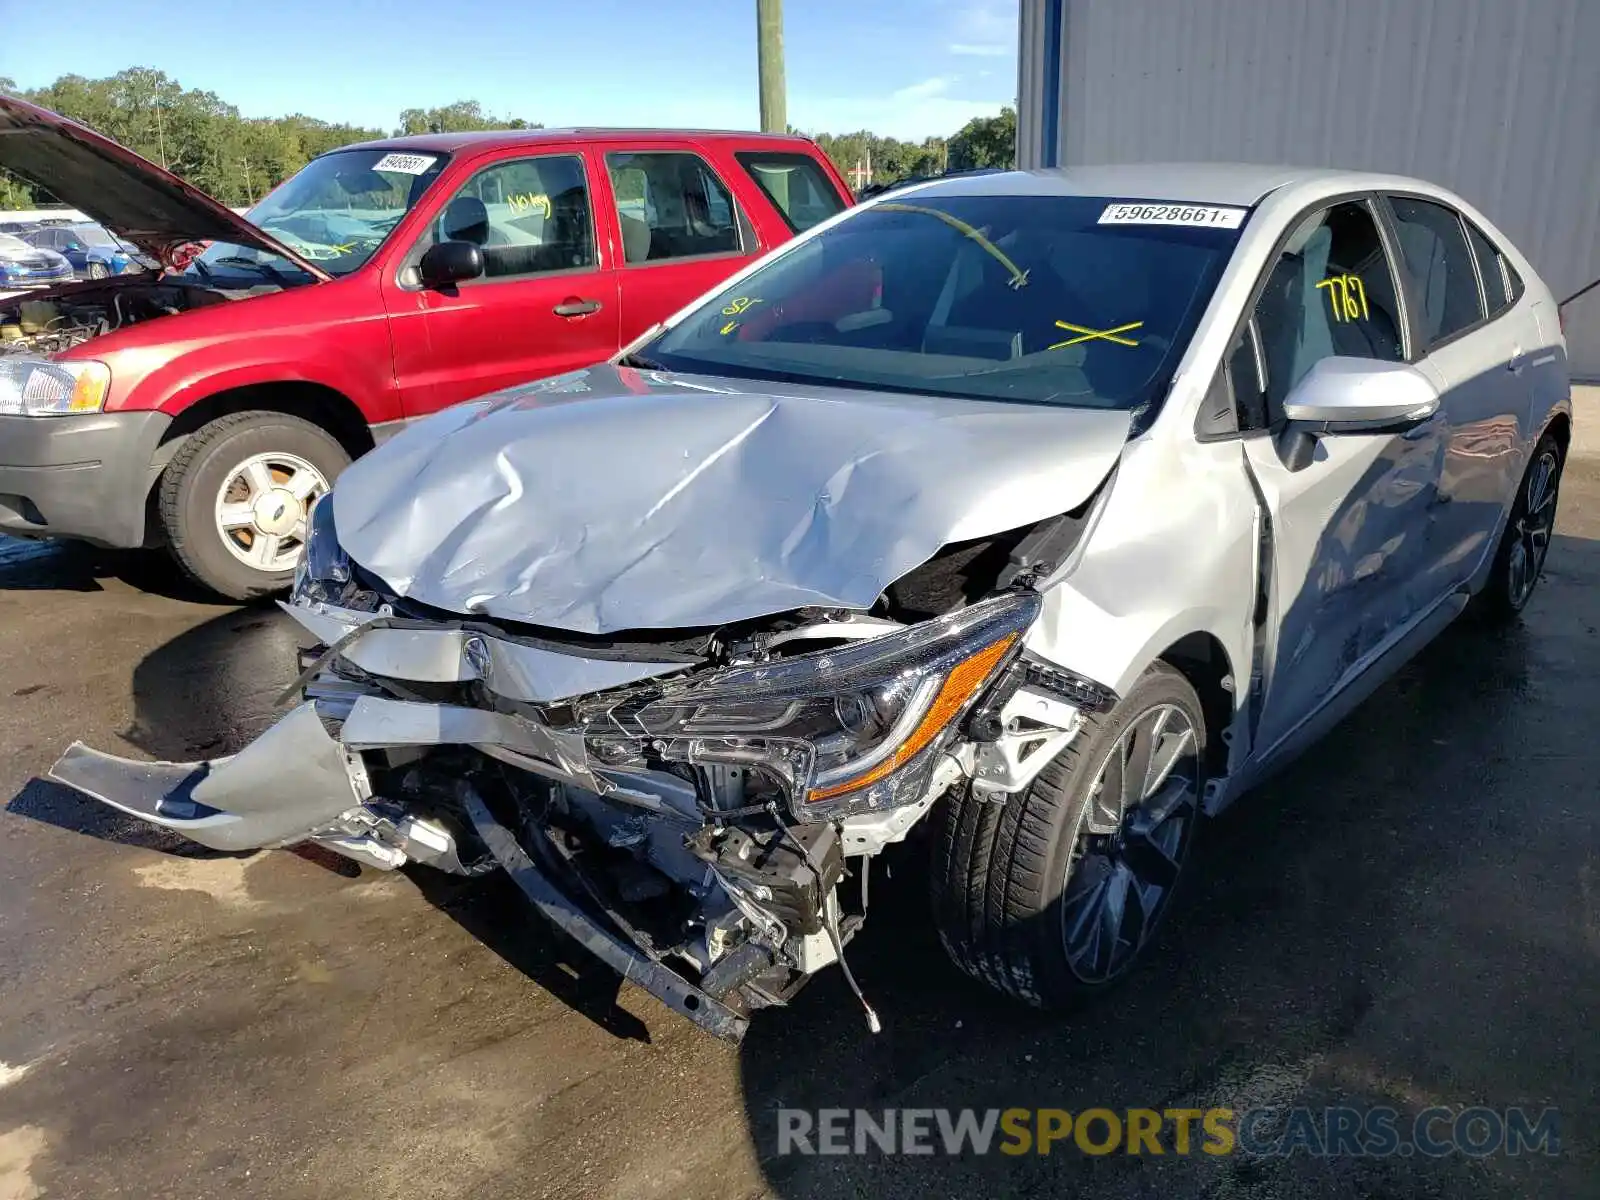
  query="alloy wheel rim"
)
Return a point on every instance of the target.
[
  {"x": 1532, "y": 529},
  {"x": 261, "y": 508},
  {"x": 1132, "y": 839}
]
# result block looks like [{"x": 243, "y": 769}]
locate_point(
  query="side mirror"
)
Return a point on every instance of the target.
[
  {"x": 449, "y": 263},
  {"x": 1353, "y": 395}
]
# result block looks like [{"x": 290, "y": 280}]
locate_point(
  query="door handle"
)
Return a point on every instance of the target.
[
  {"x": 574, "y": 307},
  {"x": 1518, "y": 361}
]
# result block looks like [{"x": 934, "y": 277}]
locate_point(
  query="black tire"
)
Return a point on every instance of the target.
[
  {"x": 98, "y": 271},
  {"x": 1527, "y": 536},
  {"x": 1000, "y": 871},
  {"x": 190, "y": 485}
]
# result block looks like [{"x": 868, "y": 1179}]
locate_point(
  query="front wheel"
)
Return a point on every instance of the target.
[
  {"x": 1519, "y": 559},
  {"x": 1056, "y": 892},
  {"x": 234, "y": 499},
  {"x": 98, "y": 270}
]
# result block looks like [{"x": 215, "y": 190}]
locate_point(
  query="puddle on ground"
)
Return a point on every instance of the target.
[{"x": 19, "y": 1149}]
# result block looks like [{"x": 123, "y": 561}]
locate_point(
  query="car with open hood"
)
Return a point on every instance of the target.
[
  {"x": 1036, "y": 515},
  {"x": 203, "y": 408}
]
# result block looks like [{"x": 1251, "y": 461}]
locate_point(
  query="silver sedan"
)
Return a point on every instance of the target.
[{"x": 1036, "y": 515}]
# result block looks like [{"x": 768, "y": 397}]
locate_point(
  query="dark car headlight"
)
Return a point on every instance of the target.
[
  {"x": 324, "y": 568},
  {"x": 846, "y": 730}
]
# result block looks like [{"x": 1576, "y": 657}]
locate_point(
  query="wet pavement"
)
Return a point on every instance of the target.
[{"x": 1409, "y": 917}]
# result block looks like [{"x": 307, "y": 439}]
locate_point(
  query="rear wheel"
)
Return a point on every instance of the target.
[
  {"x": 1056, "y": 892},
  {"x": 1519, "y": 559},
  {"x": 98, "y": 270},
  {"x": 234, "y": 499}
]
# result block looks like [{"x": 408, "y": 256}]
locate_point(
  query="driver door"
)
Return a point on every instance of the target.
[
  {"x": 1349, "y": 560},
  {"x": 545, "y": 304}
]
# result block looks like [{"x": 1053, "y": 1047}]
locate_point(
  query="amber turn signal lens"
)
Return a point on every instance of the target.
[{"x": 959, "y": 686}]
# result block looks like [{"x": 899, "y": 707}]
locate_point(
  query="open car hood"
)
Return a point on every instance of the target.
[
  {"x": 132, "y": 197},
  {"x": 612, "y": 499}
]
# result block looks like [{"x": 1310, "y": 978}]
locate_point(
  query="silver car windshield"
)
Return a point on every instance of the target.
[{"x": 1026, "y": 298}]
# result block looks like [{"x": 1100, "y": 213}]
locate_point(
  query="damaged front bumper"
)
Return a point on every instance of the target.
[
  {"x": 683, "y": 830},
  {"x": 305, "y": 776}
]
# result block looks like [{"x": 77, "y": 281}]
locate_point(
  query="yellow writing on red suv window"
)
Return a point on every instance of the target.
[
  {"x": 1085, "y": 334},
  {"x": 739, "y": 304},
  {"x": 729, "y": 327},
  {"x": 529, "y": 202},
  {"x": 1347, "y": 297}
]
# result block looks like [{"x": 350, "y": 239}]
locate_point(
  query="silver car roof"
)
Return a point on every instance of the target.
[{"x": 1197, "y": 183}]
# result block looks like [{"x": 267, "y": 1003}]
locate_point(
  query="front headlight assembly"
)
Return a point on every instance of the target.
[
  {"x": 846, "y": 730},
  {"x": 47, "y": 387},
  {"x": 324, "y": 567}
]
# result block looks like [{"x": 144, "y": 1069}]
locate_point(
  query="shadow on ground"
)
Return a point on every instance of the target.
[
  {"x": 65, "y": 566},
  {"x": 204, "y": 694}
]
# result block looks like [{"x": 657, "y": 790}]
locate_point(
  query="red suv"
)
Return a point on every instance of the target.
[{"x": 204, "y": 407}]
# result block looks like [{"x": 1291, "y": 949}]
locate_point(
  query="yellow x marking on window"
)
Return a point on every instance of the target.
[{"x": 1089, "y": 335}]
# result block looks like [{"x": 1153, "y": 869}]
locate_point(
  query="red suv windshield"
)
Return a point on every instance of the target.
[{"x": 335, "y": 211}]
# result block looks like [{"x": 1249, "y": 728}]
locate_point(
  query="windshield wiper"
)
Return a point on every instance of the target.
[
  {"x": 267, "y": 269},
  {"x": 639, "y": 362}
]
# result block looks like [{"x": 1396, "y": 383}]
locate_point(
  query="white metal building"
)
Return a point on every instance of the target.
[{"x": 1496, "y": 99}]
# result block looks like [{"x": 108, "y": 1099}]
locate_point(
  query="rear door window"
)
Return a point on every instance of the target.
[
  {"x": 1439, "y": 262},
  {"x": 671, "y": 205},
  {"x": 796, "y": 185}
]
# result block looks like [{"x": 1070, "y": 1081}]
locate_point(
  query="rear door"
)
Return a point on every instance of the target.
[
  {"x": 678, "y": 228},
  {"x": 546, "y": 303},
  {"x": 1348, "y": 562},
  {"x": 1475, "y": 341}
]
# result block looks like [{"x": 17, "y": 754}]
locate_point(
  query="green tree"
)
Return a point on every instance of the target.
[
  {"x": 986, "y": 142},
  {"x": 464, "y": 116}
]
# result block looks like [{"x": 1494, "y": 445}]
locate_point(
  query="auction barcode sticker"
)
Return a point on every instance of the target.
[
  {"x": 408, "y": 164},
  {"x": 1211, "y": 216}
]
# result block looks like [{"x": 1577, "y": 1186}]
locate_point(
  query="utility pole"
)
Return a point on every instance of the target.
[
  {"x": 161, "y": 133},
  {"x": 769, "y": 61}
]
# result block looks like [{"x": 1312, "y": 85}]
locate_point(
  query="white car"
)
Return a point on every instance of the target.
[{"x": 1042, "y": 513}]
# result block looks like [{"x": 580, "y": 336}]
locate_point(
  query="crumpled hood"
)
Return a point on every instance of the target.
[
  {"x": 131, "y": 196},
  {"x": 612, "y": 499}
]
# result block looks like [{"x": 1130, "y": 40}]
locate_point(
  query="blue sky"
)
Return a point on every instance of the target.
[{"x": 904, "y": 68}]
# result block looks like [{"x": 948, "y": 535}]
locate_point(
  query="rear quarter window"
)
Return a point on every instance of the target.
[{"x": 796, "y": 185}]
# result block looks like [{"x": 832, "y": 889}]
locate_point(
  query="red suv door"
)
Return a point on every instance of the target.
[
  {"x": 546, "y": 303},
  {"x": 679, "y": 228}
]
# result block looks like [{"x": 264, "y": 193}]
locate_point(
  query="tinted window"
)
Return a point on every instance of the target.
[
  {"x": 1244, "y": 377},
  {"x": 1331, "y": 292},
  {"x": 796, "y": 186},
  {"x": 1495, "y": 270},
  {"x": 671, "y": 205},
  {"x": 1439, "y": 263},
  {"x": 530, "y": 215},
  {"x": 995, "y": 297}
]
